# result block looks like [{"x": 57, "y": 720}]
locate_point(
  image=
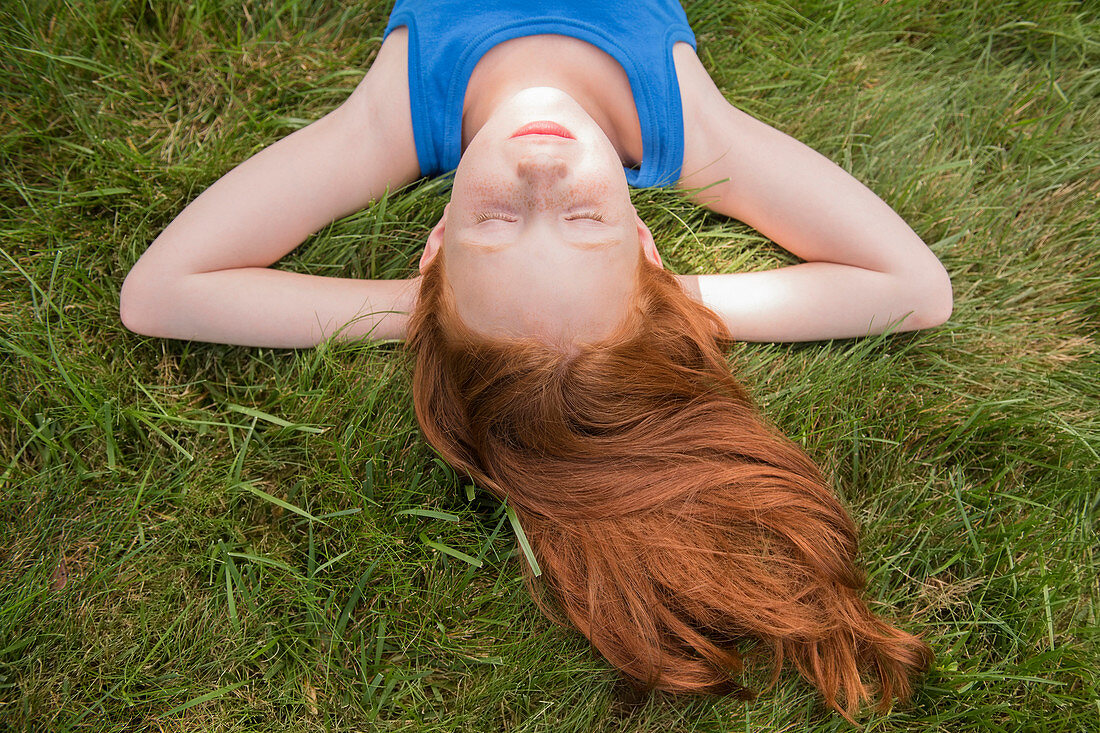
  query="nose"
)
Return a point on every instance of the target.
[{"x": 541, "y": 168}]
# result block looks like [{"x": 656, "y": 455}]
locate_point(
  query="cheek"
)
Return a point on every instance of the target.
[{"x": 477, "y": 187}]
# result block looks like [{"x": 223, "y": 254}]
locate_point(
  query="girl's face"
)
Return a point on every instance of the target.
[{"x": 541, "y": 238}]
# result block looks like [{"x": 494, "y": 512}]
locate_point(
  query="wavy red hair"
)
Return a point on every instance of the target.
[{"x": 672, "y": 523}]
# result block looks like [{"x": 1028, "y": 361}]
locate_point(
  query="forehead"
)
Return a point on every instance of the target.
[
  {"x": 566, "y": 310},
  {"x": 578, "y": 295}
]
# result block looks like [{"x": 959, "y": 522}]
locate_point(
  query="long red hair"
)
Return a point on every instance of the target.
[{"x": 672, "y": 523}]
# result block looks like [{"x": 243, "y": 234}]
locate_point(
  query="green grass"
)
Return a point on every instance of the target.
[{"x": 198, "y": 537}]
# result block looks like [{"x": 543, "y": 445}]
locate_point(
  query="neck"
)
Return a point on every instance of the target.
[
  {"x": 478, "y": 110},
  {"x": 497, "y": 77}
]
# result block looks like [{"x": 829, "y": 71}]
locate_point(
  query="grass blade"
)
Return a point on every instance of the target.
[
  {"x": 268, "y": 417},
  {"x": 205, "y": 698},
  {"x": 247, "y": 486},
  {"x": 457, "y": 554},
  {"x": 431, "y": 514},
  {"x": 521, "y": 537}
]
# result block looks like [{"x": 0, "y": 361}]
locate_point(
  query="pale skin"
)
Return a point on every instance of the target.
[{"x": 540, "y": 237}]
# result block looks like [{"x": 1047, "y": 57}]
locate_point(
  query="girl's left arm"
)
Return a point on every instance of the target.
[{"x": 864, "y": 271}]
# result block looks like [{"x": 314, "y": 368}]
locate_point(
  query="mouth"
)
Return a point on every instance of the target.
[{"x": 543, "y": 127}]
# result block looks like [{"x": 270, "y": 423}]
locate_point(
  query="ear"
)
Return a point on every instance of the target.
[
  {"x": 435, "y": 240},
  {"x": 649, "y": 247}
]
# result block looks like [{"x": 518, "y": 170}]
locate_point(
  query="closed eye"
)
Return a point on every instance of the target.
[
  {"x": 486, "y": 216},
  {"x": 594, "y": 215}
]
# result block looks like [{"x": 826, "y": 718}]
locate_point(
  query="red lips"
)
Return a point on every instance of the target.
[{"x": 543, "y": 127}]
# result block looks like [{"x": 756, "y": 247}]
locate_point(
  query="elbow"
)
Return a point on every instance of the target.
[
  {"x": 131, "y": 309},
  {"x": 940, "y": 312},
  {"x": 139, "y": 305},
  {"x": 935, "y": 299}
]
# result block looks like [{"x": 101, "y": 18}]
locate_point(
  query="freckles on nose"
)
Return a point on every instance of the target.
[
  {"x": 541, "y": 166},
  {"x": 494, "y": 192}
]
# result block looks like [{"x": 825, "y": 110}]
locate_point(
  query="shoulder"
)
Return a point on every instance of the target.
[
  {"x": 707, "y": 115},
  {"x": 380, "y": 102},
  {"x": 385, "y": 88}
]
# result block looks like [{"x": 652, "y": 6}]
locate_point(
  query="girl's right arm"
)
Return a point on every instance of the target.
[{"x": 207, "y": 276}]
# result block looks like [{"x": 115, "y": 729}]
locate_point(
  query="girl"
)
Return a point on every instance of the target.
[{"x": 557, "y": 362}]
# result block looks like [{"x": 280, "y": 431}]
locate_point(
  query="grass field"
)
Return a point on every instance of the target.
[{"x": 198, "y": 537}]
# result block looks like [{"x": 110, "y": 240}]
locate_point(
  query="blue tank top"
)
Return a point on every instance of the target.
[{"x": 448, "y": 37}]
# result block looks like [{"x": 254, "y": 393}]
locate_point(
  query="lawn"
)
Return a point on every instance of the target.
[{"x": 197, "y": 537}]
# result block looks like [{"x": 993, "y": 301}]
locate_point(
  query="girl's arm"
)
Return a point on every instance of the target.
[
  {"x": 865, "y": 270},
  {"x": 207, "y": 276}
]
